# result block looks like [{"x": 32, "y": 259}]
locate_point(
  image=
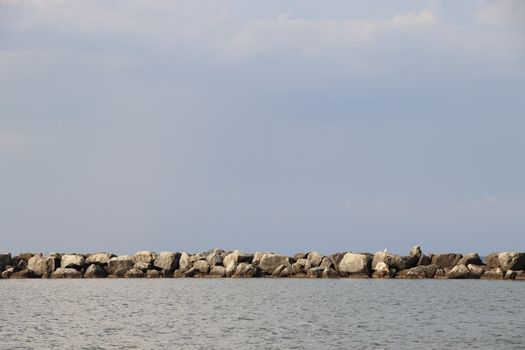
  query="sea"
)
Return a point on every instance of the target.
[{"x": 261, "y": 314}]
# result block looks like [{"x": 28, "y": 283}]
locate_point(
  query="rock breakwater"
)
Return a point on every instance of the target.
[{"x": 219, "y": 263}]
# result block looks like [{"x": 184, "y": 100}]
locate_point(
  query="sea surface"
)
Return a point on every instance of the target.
[{"x": 261, "y": 314}]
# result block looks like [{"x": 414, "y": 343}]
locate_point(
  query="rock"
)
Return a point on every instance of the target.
[
  {"x": 394, "y": 261},
  {"x": 144, "y": 256},
  {"x": 476, "y": 270},
  {"x": 520, "y": 275},
  {"x": 190, "y": 273},
  {"x": 494, "y": 274},
  {"x": 184, "y": 262},
  {"x": 244, "y": 270},
  {"x": 142, "y": 266},
  {"x": 441, "y": 274},
  {"x": 329, "y": 273},
  {"x": 492, "y": 260},
  {"x": 461, "y": 272},
  {"x": 95, "y": 271},
  {"x": 299, "y": 267},
  {"x": 63, "y": 272},
  {"x": 8, "y": 272},
  {"x": 269, "y": 262},
  {"x": 218, "y": 271},
  {"x": 152, "y": 273},
  {"x": 257, "y": 258},
  {"x": 419, "y": 272},
  {"x": 416, "y": 252},
  {"x": 471, "y": 258},
  {"x": 23, "y": 274},
  {"x": 278, "y": 270},
  {"x": 327, "y": 263},
  {"x": 75, "y": 261},
  {"x": 424, "y": 260},
  {"x": 448, "y": 260},
  {"x": 38, "y": 265},
  {"x": 315, "y": 272},
  {"x": 231, "y": 268},
  {"x": 300, "y": 256},
  {"x": 214, "y": 259},
  {"x": 167, "y": 261},
  {"x": 512, "y": 261},
  {"x": 201, "y": 266},
  {"x": 314, "y": 259},
  {"x": 119, "y": 265},
  {"x": 286, "y": 272},
  {"x": 336, "y": 259},
  {"x": 5, "y": 259},
  {"x": 198, "y": 256},
  {"x": 232, "y": 257},
  {"x": 356, "y": 263},
  {"x": 98, "y": 258},
  {"x": 511, "y": 275},
  {"x": 383, "y": 271},
  {"x": 134, "y": 273}
]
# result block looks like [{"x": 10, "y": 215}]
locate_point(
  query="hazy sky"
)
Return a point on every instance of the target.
[{"x": 262, "y": 125}]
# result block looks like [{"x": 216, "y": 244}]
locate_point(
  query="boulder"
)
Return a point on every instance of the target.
[
  {"x": 492, "y": 260},
  {"x": 95, "y": 271},
  {"x": 214, "y": 259},
  {"x": 167, "y": 261},
  {"x": 152, "y": 273},
  {"x": 75, "y": 261},
  {"x": 493, "y": 274},
  {"x": 383, "y": 271},
  {"x": 520, "y": 275},
  {"x": 511, "y": 275},
  {"x": 269, "y": 262},
  {"x": 356, "y": 263},
  {"x": 461, "y": 272},
  {"x": 231, "y": 268},
  {"x": 424, "y": 260},
  {"x": 184, "y": 262},
  {"x": 418, "y": 272},
  {"x": 5, "y": 259},
  {"x": 63, "y": 272},
  {"x": 314, "y": 259},
  {"x": 329, "y": 273},
  {"x": 257, "y": 258},
  {"x": 38, "y": 265},
  {"x": 134, "y": 273},
  {"x": 198, "y": 256},
  {"x": 299, "y": 267},
  {"x": 218, "y": 271},
  {"x": 512, "y": 261},
  {"x": 8, "y": 272},
  {"x": 201, "y": 266},
  {"x": 327, "y": 263},
  {"x": 448, "y": 260},
  {"x": 315, "y": 272},
  {"x": 416, "y": 252},
  {"x": 244, "y": 270},
  {"x": 286, "y": 272},
  {"x": 98, "y": 258},
  {"x": 23, "y": 274},
  {"x": 471, "y": 258},
  {"x": 144, "y": 256},
  {"x": 119, "y": 265},
  {"x": 142, "y": 266},
  {"x": 278, "y": 270},
  {"x": 336, "y": 259},
  {"x": 300, "y": 256},
  {"x": 393, "y": 261},
  {"x": 476, "y": 270}
]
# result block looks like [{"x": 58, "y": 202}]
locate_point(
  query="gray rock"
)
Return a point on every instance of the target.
[
  {"x": 512, "y": 261},
  {"x": 461, "y": 272},
  {"x": 144, "y": 256},
  {"x": 119, "y": 265},
  {"x": 419, "y": 272},
  {"x": 38, "y": 265},
  {"x": 231, "y": 268},
  {"x": 23, "y": 274},
  {"x": 493, "y": 274},
  {"x": 492, "y": 260},
  {"x": 511, "y": 275},
  {"x": 8, "y": 272},
  {"x": 394, "y": 261},
  {"x": 336, "y": 259},
  {"x": 269, "y": 262},
  {"x": 63, "y": 272},
  {"x": 278, "y": 270},
  {"x": 184, "y": 262},
  {"x": 75, "y": 261},
  {"x": 314, "y": 259},
  {"x": 142, "y": 266},
  {"x": 448, "y": 260},
  {"x": 471, "y": 258},
  {"x": 520, "y": 275},
  {"x": 152, "y": 273},
  {"x": 134, "y": 273},
  {"x": 167, "y": 261},
  {"x": 315, "y": 272},
  {"x": 356, "y": 263},
  {"x": 95, "y": 271},
  {"x": 98, "y": 258},
  {"x": 244, "y": 270},
  {"x": 299, "y": 267},
  {"x": 214, "y": 259},
  {"x": 201, "y": 266},
  {"x": 327, "y": 263},
  {"x": 218, "y": 271},
  {"x": 300, "y": 256},
  {"x": 257, "y": 258},
  {"x": 286, "y": 272},
  {"x": 329, "y": 273},
  {"x": 424, "y": 260},
  {"x": 197, "y": 257}
]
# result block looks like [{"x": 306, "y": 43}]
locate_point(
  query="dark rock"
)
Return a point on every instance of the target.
[
  {"x": 5, "y": 259},
  {"x": 448, "y": 260},
  {"x": 315, "y": 272},
  {"x": 424, "y": 260},
  {"x": 492, "y": 260},
  {"x": 95, "y": 271},
  {"x": 471, "y": 258},
  {"x": 329, "y": 273},
  {"x": 23, "y": 274},
  {"x": 327, "y": 263},
  {"x": 418, "y": 272}
]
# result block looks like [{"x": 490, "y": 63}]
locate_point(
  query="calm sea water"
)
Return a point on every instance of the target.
[{"x": 261, "y": 314}]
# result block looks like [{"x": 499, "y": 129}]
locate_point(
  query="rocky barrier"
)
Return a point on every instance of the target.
[{"x": 218, "y": 263}]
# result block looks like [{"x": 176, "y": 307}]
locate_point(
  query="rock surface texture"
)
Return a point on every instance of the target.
[{"x": 219, "y": 263}]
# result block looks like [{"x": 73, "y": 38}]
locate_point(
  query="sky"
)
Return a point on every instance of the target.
[{"x": 274, "y": 125}]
